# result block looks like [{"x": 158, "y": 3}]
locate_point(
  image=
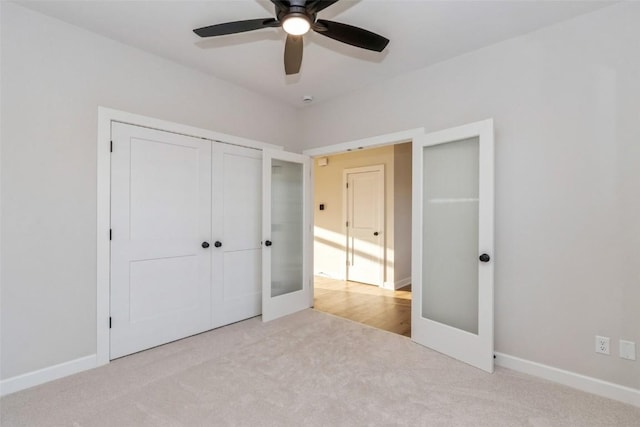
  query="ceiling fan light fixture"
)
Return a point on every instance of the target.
[{"x": 296, "y": 24}]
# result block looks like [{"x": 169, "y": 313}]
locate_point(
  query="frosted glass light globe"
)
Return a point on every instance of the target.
[{"x": 296, "y": 25}]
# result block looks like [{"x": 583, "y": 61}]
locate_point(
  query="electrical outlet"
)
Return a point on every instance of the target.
[
  {"x": 602, "y": 345},
  {"x": 627, "y": 350}
]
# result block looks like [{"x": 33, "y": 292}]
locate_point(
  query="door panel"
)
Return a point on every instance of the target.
[
  {"x": 452, "y": 309},
  {"x": 365, "y": 224},
  {"x": 286, "y": 229},
  {"x": 160, "y": 215},
  {"x": 237, "y": 225},
  {"x": 450, "y": 242}
]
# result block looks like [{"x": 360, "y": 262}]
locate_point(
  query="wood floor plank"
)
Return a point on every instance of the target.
[{"x": 368, "y": 304}]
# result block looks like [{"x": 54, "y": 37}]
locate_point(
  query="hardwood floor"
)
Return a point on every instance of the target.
[{"x": 368, "y": 304}]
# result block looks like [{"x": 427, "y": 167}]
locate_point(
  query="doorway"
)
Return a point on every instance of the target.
[{"x": 362, "y": 236}]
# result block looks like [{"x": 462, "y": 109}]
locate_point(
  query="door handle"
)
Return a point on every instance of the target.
[
  {"x": 484, "y": 258},
  {"x": 205, "y": 245},
  {"x": 267, "y": 243},
  {"x": 217, "y": 244},
  {"x": 375, "y": 233}
]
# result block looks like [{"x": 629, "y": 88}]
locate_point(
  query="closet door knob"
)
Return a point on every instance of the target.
[
  {"x": 267, "y": 243},
  {"x": 217, "y": 244},
  {"x": 484, "y": 258},
  {"x": 205, "y": 245},
  {"x": 375, "y": 233}
]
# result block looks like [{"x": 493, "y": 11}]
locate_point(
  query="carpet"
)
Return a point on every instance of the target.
[{"x": 307, "y": 369}]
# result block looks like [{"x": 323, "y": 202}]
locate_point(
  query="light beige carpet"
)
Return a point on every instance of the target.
[{"x": 304, "y": 370}]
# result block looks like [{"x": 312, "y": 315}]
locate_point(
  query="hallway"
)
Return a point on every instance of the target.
[{"x": 368, "y": 304}]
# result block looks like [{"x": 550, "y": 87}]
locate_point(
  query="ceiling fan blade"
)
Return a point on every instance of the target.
[
  {"x": 293, "y": 54},
  {"x": 236, "y": 27},
  {"x": 351, "y": 35},
  {"x": 315, "y": 6}
]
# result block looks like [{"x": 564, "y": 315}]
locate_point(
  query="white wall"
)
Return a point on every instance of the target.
[
  {"x": 566, "y": 104},
  {"x": 54, "y": 77}
]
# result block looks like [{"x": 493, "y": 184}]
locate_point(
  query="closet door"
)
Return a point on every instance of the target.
[
  {"x": 161, "y": 229},
  {"x": 237, "y": 225},
  {"x": 286, "y": 278}
]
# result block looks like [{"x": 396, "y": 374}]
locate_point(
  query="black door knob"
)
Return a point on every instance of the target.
[
  {"x": 485, "y": 258},
  {"x": 217, "y": 244},
  {"x": 205, "y": 245},
  {"x": 267, "y": 243},
  {"x": 375, "y": 233}
]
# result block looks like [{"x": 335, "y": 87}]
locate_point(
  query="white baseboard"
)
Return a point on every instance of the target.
[
  {"x": 394, "y": 286},
  {"x": 41, "y": 376},
  {"x": 581, "y": 382},
  {"x": 330, "y": 275}
]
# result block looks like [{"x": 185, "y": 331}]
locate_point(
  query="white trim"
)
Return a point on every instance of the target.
[
  {"x": 329, "y": 275},
  {"x": 109, "y": 115},
  {"x": 376, "y": 141},
  {"x": 394, "y": 286},
  {"x": 103, "y": 221},
  {"x": 310, "y": 238},
  {"x": 41, "y": 376},
  {"x": 571, "y": 379}
]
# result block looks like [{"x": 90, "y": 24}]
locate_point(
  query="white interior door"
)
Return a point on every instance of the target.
[
  {"x": 364, "y": 194},
  {"x": 237, "y": 233},
  {"x": 160, "y": 219},
  {"x": 286, "y": 278},
  {"x": 452, "y": 265}
]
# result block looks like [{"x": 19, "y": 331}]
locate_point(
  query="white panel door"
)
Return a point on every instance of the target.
[
  {"x": 286, "y": 278},
  {"x": 161, "y": 223},
  {"x": 364, "y": 191},
  {"x": 237, "y": 234},
  {"x": 452, "y": 265}
]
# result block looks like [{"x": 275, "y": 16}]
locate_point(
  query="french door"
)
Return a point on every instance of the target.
[
  {"x": 452, "y": 250},
  {"x": 286, "y": 278}
]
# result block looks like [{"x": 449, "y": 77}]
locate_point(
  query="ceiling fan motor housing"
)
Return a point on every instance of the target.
[{"x": 296, "y": 11}]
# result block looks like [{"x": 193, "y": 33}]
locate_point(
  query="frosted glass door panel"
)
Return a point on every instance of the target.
[
  {"x": 287, "y": 201},
  {"x": 450, "y": 234},
  {"x": 287, "y": 285}
]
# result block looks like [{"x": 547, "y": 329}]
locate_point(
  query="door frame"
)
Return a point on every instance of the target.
[
  {"x": 103, "y": 203},
  {"x": 380, "y": 141},
  {"x": 345, "y": 217},
  {"x": 359, "y": 144}
]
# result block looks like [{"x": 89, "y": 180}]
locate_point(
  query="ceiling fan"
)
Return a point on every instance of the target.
[{"x": 297, "y": 17}]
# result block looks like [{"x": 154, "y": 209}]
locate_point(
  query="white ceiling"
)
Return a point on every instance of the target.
[{"x": 421, "y": 33}]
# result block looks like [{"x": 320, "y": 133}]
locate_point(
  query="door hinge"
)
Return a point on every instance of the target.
[
  {"x": 110, "y": 233},
  {"x": 109, "y": 322},
  {"x": 347, "y": 185},
  {"x": 347, "y": 223},
  {"x": 111, "y": 147}
]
